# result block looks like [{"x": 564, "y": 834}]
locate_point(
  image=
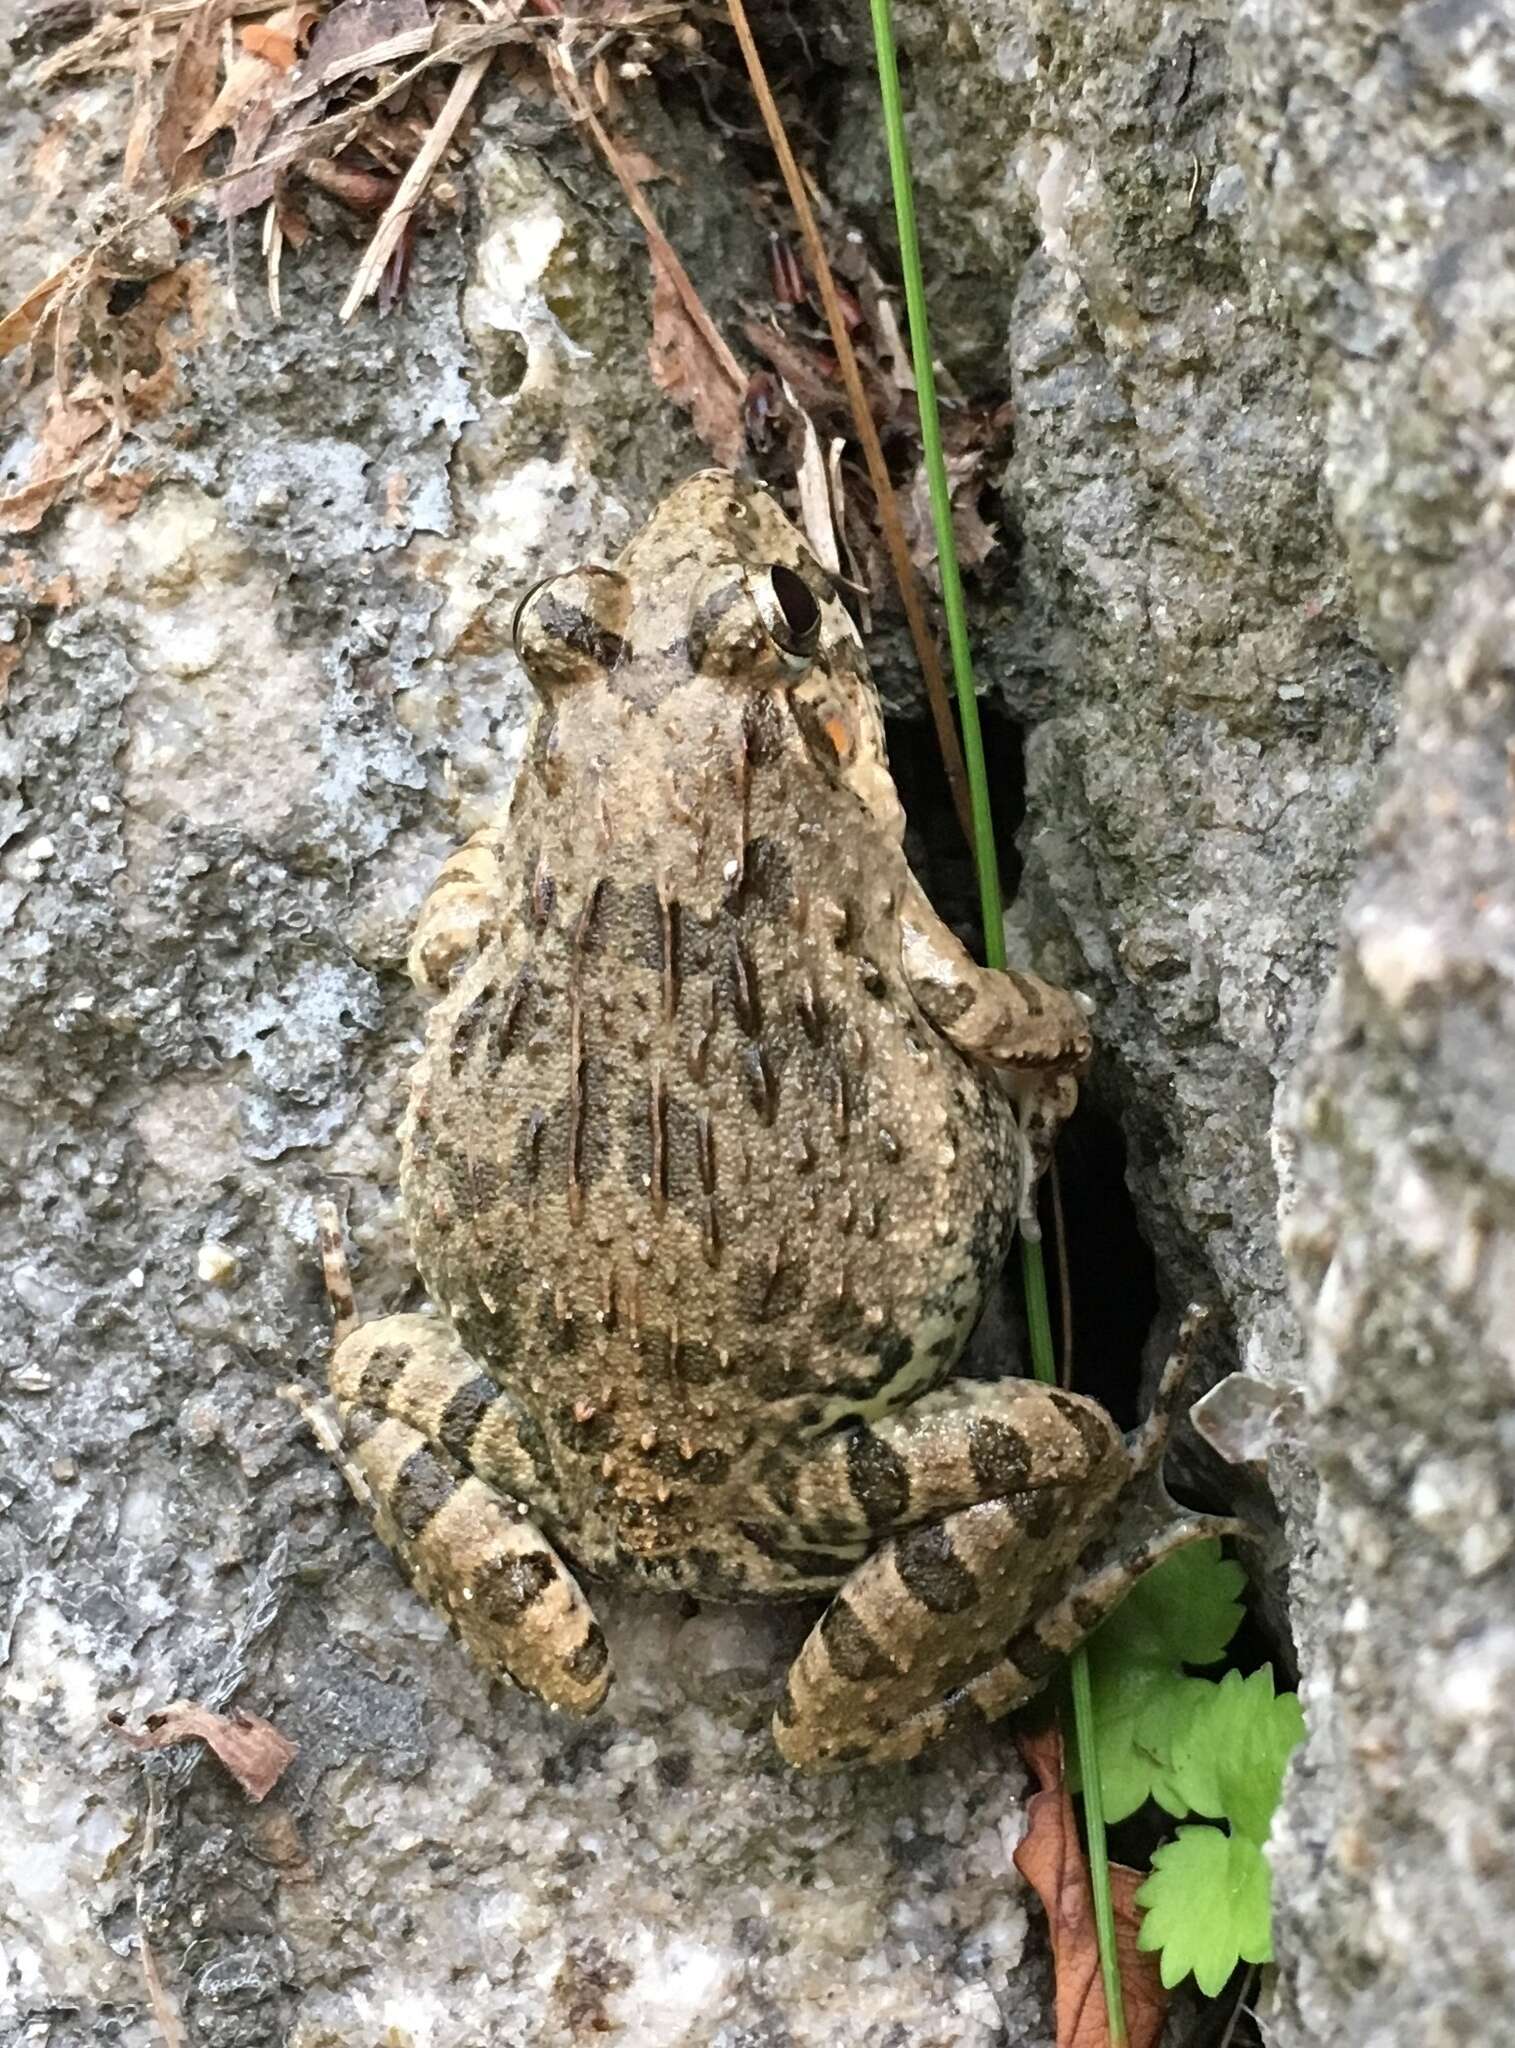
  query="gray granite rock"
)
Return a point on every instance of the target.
[
  {"x": 231, "y": 766},
  {"x": 1249, "y": 282},
  {"x": 1382, "y": 154}
]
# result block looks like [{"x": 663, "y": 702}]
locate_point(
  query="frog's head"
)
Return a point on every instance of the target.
[{"x": 718, "y": 589}]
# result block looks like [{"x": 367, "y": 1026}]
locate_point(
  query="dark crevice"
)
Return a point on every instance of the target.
[
  {"x": 1112, "y": 1273},
  {"x": 934, "y": 841}
]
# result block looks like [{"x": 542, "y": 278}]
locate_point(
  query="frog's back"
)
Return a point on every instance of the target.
[{"x": 685, "y": 1163}]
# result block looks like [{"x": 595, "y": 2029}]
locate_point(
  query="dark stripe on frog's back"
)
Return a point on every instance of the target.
[{"x": 500, "y": 1060}]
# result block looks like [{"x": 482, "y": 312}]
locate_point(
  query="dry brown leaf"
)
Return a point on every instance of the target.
[
  {"x": 683, "y": 366},
  {"x": 1051, "y": 1859},
  {"x": 190, "y": 88},
  {"x": 118, "y": 493},
  {"x": 274, "y": 1839},
  {"x": 23, "y": 509},
  {"x": 975, "y": 538},
  {"x": 262, "y": 39},
  {"x": 810, "y": 373},
  {"x": 257, "y": 75},
  {"x": 252, "y": 1749},
  {"x": 21, "y": 322},
  {"x": 71, "y": 422},
  {"x": 84, "y": 423}
]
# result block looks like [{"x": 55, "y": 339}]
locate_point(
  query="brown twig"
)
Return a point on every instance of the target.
[
  {"x": 387, "y": 235},
  {"x": 926, "y": 652},
  {"x": 568, "y": 89},
  {"x": 165, "y": 2011}
]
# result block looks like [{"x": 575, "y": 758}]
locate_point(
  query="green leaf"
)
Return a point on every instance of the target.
[
  {"x": 1185, "y": 1611},
  {"x": 1207, "y": 1907},
  {"x": 1139, "y": 1710},
  {"x": 1160, "y": 1728},
  {"x": 1229, "y": 1758}
]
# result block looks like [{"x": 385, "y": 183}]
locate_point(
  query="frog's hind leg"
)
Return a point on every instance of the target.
[
  {"x": 976, "y": 1495},
  {"x": 988, "y": 1495},
  {"x": 443, "y": 1459},
  {"x": 1031, "y": 1657}
]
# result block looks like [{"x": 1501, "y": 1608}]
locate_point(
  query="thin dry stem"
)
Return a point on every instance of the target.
[
  {"x": 905, "y": 576},
  {"x": 165, "y": 2010},
  {"x": 397, "y": 214}
]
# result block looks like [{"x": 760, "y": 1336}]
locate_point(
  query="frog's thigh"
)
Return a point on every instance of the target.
[
  {"x": 937, "y": 1603},
  {"x": 969, "y": 1441},
  {"x": 417, "y": 1413}
]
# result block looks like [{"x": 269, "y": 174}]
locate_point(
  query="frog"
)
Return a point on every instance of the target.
[{"x": 714, "y": 1149}]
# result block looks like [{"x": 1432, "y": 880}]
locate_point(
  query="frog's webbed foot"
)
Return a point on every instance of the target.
[
  {"x": 457, "y": 912},
  {"x": 1149, "y": 1512},
  {"x": 443, "y": 1459}
]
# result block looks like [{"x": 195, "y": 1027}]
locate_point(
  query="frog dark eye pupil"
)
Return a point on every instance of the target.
[{"x": 797, "y": 606}]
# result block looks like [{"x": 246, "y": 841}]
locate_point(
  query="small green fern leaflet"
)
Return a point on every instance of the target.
[{"x": 1196, "y": 1747}]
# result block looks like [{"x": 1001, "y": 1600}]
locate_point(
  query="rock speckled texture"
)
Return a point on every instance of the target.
[
  {"x": 232, "y": 767},
  {"x": 1382, "y": 146},
  {"x": 1251, "y": 283}
]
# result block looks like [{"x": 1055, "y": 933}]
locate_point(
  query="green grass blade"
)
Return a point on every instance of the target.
[
  {"x": 941, "y": 500},
  {"x": 989, "y": 900}
]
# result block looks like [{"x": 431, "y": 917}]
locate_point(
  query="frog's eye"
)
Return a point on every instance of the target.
[
  {"x": 570, "y": 627},
  {"x": 789, "y": 611},
  {"x": 515, "y": 617}
]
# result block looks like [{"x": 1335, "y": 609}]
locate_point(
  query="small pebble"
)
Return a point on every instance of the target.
[{"x": 215, "y": 1264}]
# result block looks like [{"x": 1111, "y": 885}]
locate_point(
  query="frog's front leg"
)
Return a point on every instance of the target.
[
  {"x": 1001, "y": 1017},
  {"x": 447, "y": 1460},
  {"x": 1035, "y": 1036},
  {"x": 1006, "y": 1548},
  {"x": 458, "y": 910}
]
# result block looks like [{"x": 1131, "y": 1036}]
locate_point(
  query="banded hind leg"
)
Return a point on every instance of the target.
[
  {"x": 447, "y": 1461},
  {"x": 1014, "y": 1518}
]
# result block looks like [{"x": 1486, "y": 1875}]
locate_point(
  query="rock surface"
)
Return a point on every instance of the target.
[
  {"x": 278, "y": 692},
  {"x": 1251, "y": 285},
  {"x": 1383, "y": 151}
]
